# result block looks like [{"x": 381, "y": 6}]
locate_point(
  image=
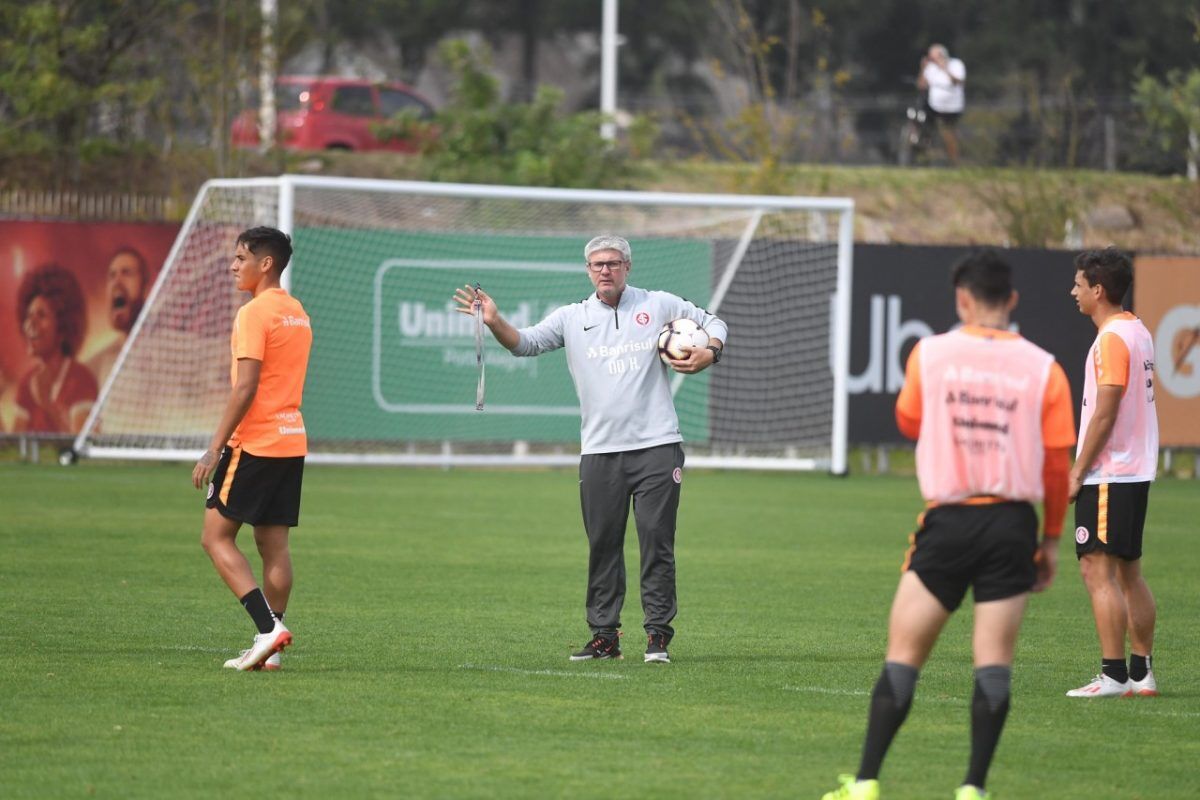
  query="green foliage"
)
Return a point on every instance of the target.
[
  {"x": 480, "y": 138},
  {"x": 1032, "y": 209},
  {"x": 60, "y": 63},
  {"x": 1172, "y": 109},
  {"x": 771, "y": 126}
]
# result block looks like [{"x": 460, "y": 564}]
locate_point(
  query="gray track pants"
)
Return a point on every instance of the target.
[{"x": 607, "y": 482}]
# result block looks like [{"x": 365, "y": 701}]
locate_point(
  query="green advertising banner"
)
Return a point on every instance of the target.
[{"x": 393, "y": 361}]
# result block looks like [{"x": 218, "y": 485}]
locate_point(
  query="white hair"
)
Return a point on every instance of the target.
[{"x": 607, "y": 242}]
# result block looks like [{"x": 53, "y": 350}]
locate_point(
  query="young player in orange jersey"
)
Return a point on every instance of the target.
[
  {"x": 1110, "y": 482},
  {"x": 991, "y": 413},
  {"x": 259, "y": 446}
]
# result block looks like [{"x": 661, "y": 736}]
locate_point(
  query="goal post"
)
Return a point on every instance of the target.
[{"x": 392, "y": 373}]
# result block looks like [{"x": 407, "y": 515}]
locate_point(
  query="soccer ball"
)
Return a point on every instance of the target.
[{"x": 678, "y": 337}]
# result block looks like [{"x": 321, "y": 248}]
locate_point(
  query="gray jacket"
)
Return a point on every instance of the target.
[{"x": 624, "y": 388}]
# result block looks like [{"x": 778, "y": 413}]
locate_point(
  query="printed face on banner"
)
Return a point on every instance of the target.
[
  {"x": 113, "y": 264},
  {"x": 126, "y": 288}
]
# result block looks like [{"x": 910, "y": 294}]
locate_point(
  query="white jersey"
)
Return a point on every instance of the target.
[
  {"x": 946, "y": 96},
  {"x": 1122, "y": 355},
  {"x": 612, "y": 353}
]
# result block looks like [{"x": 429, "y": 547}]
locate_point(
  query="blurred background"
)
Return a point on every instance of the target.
[
  {"x": 1051, "y": 83},
  {"x": 1080, "y": 126}
]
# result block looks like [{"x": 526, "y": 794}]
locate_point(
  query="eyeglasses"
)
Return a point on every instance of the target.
[{"x": 598, "y": 266}]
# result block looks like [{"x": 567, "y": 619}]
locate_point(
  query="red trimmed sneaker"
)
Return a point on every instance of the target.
[
  {"x": 602, "y": 645},
  {"x": 656, "y": 649},
  {"x": 1102, "y": 686},
  {"x": 1146, "y": 687},
  {"x": 265, "y": 646},
  {"x": 272, "y": 664}
]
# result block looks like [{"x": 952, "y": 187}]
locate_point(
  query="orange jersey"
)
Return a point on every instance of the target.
[
  {"x": 985, "y": 405},
  {"x": 274, "y": 329}
]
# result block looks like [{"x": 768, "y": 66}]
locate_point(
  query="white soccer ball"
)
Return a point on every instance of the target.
[{"x": 678, "y": 337}]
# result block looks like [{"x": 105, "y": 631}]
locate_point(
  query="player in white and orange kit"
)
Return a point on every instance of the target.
[
  {"x": 1110, "y": 482},
  {"x": 991, "y": 413}
]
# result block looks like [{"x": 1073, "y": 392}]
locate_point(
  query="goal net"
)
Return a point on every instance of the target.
[{"x": 392, "y": 374}]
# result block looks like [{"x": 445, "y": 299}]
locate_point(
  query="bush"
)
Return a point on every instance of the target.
[
  {"x": 1032, "y": 209},
  {"x": 480, "y": 138}
]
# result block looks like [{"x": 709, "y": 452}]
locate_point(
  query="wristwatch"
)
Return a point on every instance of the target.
[{"x": 716, "y": 351}]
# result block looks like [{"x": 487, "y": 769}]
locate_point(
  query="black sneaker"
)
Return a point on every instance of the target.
[
  {"x": 656, "y": 649},
  {"x": 602, "y": 645}
]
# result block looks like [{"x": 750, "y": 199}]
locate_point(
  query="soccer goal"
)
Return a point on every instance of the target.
[{"x": 393, "y": 371}]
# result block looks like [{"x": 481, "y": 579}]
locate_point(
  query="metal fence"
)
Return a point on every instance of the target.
[
  {"x": 76, "y": 206},
  {"x": 1048, "y": 132}
]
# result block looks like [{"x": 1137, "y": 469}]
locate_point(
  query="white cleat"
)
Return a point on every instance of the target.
[
  {"x": 1146, "y": 687},
  {"x": 272, "y": 664},
  {"x": 266, "y": 646},
  {"x": 1103, "y": 686}
]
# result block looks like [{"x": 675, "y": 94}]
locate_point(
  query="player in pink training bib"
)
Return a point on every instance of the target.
[
  {"x": 991, "y": 413},
  {"x": 1116, "y": 460}
]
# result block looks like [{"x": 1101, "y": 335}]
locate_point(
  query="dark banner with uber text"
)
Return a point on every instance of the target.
[{"x": 902, "y": 293}]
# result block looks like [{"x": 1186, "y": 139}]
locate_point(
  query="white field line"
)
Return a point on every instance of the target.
[
  {"x": 918, "y": 700},
  {"x": 826, "y": 690},
  {"x": 193, "y": 648},
  {"x": 556, "y": 673},
  {"x": 1158, "y": 713}
]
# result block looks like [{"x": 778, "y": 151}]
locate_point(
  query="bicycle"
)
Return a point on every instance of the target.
[{"x": 914, "y": 134}]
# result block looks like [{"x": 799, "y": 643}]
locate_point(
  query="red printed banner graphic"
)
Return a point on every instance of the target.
[{"x": 69, "y": 294}]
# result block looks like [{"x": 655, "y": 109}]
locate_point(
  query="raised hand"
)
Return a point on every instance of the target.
[{"x": 466, "y": 297}]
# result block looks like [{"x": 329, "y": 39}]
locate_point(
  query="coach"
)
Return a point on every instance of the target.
[{"x": 630, "y": 432}]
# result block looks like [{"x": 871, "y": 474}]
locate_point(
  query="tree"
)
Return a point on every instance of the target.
[
  {"x": 1172, "y": 108},
  {"x": 414, "y": 26},
  {"x": 480, "y": 137},
  {"x": 59, "y": 61}
]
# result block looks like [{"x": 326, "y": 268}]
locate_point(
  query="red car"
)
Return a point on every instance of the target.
[{"x": 323, "y": 113}]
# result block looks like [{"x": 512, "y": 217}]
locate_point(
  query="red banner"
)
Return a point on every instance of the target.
[{"x": 69, "y": 294}]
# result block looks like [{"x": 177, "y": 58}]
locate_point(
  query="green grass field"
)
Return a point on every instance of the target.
[{"x": 434, "y": 612}]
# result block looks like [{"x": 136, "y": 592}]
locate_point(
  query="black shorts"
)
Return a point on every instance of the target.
[
  {"x": 256, "y": 489},
  {"x": 1110, "y": 518},
  {"x": 991, "y": 547},
  {"x": 949, "y": 119}
]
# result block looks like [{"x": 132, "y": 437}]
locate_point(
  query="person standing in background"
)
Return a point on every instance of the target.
[{"x": 942, "y": 78}]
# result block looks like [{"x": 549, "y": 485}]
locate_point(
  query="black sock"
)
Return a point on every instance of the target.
[
  {"x": 889, "y": 706},
  {"x": 255, "y": 603},
  {"x": 278, "y": 614},
  {"x": 1139, "y": 666},
  {"x": 989, "y": 708},
  {"x": 1115, "y": 669}
]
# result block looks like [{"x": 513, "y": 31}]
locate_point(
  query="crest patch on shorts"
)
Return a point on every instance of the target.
[
  {"x": 677, "y": 475},
  {"x": 212, "y": 487},
  {"x": 1081, "y": 535}
]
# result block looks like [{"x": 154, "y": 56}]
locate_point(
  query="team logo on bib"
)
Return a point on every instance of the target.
[
  {"x": 642, "y": 318},
  {"x": 677, "y": 475},
  {"x": 211, "y": 488},
  {"x": 1081, "y": 535}
]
